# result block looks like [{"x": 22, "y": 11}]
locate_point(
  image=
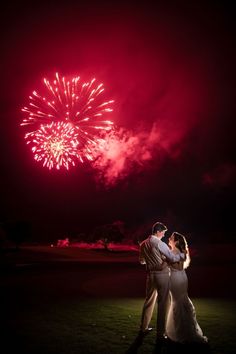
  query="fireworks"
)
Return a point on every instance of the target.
[
  {"x": 68, "y": 110},
  {"x": 55, "y": 144}
]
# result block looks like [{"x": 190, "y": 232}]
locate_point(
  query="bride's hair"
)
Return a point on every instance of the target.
[{"x": 182, "y": 245}]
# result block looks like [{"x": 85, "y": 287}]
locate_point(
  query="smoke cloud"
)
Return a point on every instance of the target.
[{"x": 124, "y": 152}]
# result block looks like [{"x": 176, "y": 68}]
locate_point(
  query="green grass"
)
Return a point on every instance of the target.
[{"x": 109, "y": 326}]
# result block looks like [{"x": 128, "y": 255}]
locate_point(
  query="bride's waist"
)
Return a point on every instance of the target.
[{"x": 173, "y": 270}]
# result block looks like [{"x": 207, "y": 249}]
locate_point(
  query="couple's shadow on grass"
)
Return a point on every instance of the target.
[{"x": 169, "y": 347}]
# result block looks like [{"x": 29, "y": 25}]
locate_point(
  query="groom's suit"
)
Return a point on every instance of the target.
[{"x": 153, "y": 253}]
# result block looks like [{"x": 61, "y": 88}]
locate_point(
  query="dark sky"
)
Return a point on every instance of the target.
[{"x": 170, "y": 67}]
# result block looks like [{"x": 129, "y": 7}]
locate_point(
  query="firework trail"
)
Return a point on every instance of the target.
[{"x": 68, "y": 101}]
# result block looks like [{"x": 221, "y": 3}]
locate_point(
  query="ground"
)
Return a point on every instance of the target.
[{"x": 71, "y": 300}]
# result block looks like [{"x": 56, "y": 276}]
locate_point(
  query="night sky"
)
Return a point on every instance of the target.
[{"x": 170, "y": 67}]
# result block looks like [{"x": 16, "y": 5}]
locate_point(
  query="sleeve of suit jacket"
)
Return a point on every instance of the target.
[{"x": 168, "y": 253}]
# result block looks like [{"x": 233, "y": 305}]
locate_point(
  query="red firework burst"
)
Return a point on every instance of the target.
[
  {"x": 55, "y": 144},
  {"x": 69, "y": 101}
]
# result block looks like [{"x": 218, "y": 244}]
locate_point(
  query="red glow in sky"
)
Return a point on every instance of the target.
[{"x": 170, "y": 68}]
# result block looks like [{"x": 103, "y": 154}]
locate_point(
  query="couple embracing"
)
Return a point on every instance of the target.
[{"x": 167, "y": 280}]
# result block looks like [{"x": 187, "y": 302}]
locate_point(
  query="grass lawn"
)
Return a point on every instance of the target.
[
  {"x": 56, "y": 301},
  {"x": 107, "y": 326}
]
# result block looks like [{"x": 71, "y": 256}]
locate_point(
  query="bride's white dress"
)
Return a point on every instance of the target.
[{"x": 182, "y": 325}]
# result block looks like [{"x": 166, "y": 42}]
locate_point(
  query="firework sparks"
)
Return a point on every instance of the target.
[
  {"x": 69, "y": 101},
  {"x": 55, "y": 145}
]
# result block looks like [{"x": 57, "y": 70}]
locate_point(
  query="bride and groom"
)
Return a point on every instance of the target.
[{"x": 166, "y": 278}]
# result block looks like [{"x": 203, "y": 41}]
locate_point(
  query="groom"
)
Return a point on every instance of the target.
[{"x": 154, "y": 253}]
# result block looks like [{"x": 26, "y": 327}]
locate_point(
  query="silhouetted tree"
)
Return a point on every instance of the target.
[
  {"x": 17, "y": 231},
  {"x": 108, "y": 233},
  {"x": 3, "y": 237}
]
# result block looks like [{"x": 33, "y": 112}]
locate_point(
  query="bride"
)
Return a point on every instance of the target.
[{"x": 181, "y": 325}]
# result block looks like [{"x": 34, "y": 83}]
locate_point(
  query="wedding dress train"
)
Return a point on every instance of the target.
[{"x": 182, "y": 325}]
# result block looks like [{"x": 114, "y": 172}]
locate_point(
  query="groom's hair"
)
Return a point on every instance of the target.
[{"x": 158, "y": 226}]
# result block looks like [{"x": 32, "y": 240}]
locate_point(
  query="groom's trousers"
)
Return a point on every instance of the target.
[{"x": 157, "y": 290}]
